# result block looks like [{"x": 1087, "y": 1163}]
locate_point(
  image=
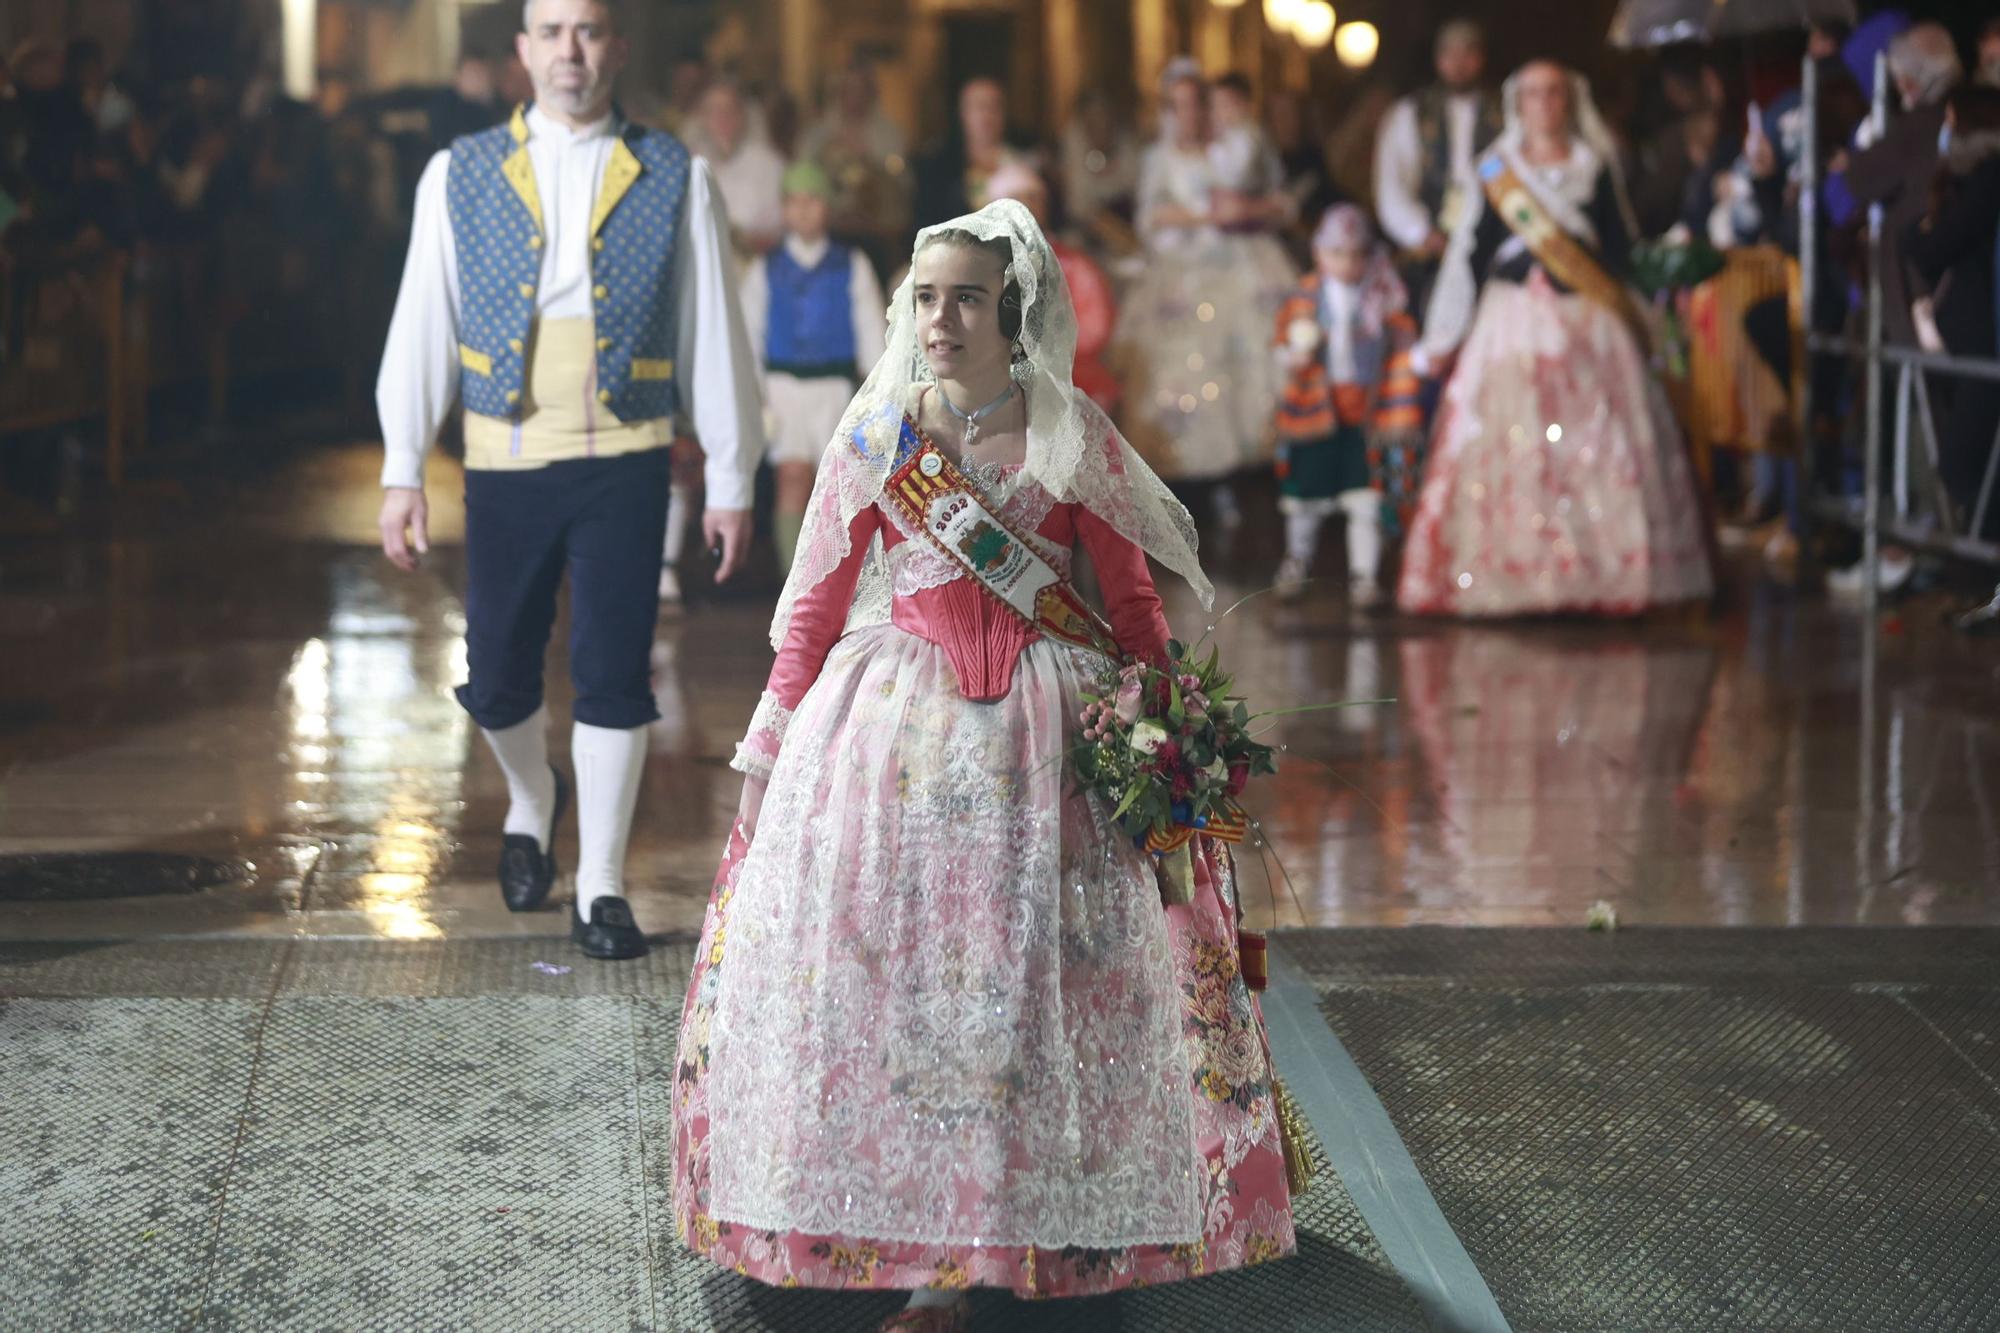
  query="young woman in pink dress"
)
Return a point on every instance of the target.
[
  {"x": 941, "y": 1031},
  {"x": 1558, "y": 481}
]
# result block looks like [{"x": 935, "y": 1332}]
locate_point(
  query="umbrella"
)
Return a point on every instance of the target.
[{"x": 1644, "y": 23}]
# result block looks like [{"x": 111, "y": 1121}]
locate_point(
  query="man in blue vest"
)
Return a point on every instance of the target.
[{"x": 569, "y": 282}]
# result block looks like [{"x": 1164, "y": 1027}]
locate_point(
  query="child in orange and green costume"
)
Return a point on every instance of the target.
[{"x": 1350, "y": 425}]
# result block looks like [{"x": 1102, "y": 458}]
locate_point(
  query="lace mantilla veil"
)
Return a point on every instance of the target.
[{"x": 1074, "y": 452}]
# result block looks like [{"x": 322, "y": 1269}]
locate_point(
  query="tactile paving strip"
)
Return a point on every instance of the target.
[
  {"x": 436, "y": 1135},
  {"x": 176, "y": 969},
  {"x": 116, "y": 1124},
  {"x": 1690, "y": 956},
  {"x": 1760, "y": 1147},
  {"x": 441, "y": 1163},
  {"x": 544, "y": 968}
]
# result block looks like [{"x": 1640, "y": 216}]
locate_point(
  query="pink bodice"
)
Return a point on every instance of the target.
[{"x": 982, "y": 638}]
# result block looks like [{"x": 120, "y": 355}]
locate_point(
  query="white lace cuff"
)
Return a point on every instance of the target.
[{"x": 758, "y": 750}]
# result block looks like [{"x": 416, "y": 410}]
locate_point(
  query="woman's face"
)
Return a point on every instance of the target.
[
  {"x": 1190, "y": 110},
  {"x": 957, "y": 291},
  {"x": 982, "y": 113},
  {"x": 1543, "y": 90}
]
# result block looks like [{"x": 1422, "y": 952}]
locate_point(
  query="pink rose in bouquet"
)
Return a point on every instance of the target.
[{"x": 1128, "y": 700}]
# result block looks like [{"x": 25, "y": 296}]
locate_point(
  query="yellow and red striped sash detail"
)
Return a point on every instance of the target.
[{"x": 936, "y": 498}]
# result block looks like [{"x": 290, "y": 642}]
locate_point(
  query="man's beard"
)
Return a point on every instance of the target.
[{"x": 578, "y": 97}]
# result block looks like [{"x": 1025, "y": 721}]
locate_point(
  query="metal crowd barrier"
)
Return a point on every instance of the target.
[
  {"x": 1915, "y": 426},
  {"x": 1943, "y": 533},
  {"x": 63, "y": 350}
]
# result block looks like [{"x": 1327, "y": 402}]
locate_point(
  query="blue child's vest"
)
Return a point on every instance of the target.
[{"x": 812, "y": 314}]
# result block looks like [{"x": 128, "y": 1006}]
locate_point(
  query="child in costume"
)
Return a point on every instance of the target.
[
  {"x": 941, "y": 1030},
  {"x": 1241, "y": 154},
  {"x": 813, "y": 307},
  {"x": 1350, "y": 425}
]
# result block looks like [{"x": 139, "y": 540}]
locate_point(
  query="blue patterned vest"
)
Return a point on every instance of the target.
[
  {"x": 812, "y": 314},
  {"x": 496, "y": 223}
]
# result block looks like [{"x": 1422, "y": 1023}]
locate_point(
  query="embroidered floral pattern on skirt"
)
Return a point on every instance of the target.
[
  {"x": 942, "y": 1032},
  {"x": 1558, "y": 480}
]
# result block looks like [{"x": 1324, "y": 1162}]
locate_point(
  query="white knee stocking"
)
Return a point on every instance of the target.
[
  {"x": 523, "y": 752},
  {"x": 1364, "y": 534},
  {"x": 609, "y": 762},
  {"x": 1302, "y": 535}
]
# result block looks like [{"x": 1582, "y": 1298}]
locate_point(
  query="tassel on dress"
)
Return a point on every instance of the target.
[{"x": 1294, "y": 1134}]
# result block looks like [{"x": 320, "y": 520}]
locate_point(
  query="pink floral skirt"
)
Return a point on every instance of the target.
[
  {"x": 941, "y": 1032},
  {"x": 1558, "y": 481}
]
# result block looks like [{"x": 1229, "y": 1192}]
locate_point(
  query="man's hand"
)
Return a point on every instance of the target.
[
  {"x": 1434, "y": 245},
  {"x": 405, "y": 525},
  {"x": 730, "y": 530}
]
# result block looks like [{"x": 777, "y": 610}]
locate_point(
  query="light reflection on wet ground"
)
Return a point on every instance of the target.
[{"x": 234, "y": 671}]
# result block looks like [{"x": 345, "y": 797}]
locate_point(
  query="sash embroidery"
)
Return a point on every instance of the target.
[
  {"x": 936, "y": 498},
  {"x": 1554, "y": 248}
]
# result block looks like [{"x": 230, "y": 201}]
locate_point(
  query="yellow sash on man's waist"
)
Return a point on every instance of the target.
[
  {"x": 563, "y": 416},
  {"x": 1567, "y": 259}
]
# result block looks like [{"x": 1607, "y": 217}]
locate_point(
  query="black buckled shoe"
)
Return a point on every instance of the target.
[
  {"x": 527, "y": 870},
  {"x": 611, "y": 934}
]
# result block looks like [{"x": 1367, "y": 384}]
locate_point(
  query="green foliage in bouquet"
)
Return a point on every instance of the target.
[
  {"x": 1662, "y": 271},
  {"x": 1659, "y": 268}
]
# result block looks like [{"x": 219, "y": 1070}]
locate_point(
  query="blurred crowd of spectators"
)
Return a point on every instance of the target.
[{"x": 234, "y": 203}]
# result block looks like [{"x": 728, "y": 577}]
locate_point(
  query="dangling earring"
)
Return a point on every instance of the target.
[{"x": 1020, "y": 352}]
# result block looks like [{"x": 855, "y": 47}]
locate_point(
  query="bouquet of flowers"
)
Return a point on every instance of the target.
[
  {"x": 1666, "y": 271},
  {"x": 1168, "y": 747},
  {"x": 1664, "y": 267}
]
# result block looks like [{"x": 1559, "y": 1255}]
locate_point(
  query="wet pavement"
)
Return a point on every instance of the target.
[
  {"x": 226, "y": 669},
  {"x": 318, "y": 1077}
]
